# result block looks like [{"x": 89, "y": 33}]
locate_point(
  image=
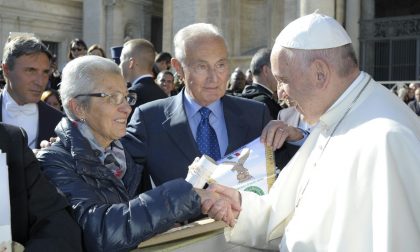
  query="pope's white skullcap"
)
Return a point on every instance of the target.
[{"x": 314, "y": 31}]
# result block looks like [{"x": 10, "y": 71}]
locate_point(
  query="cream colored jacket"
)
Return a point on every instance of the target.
[{"x": 353, "y": 186}]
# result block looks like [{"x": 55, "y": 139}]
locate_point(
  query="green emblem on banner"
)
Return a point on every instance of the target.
[{"x": 255, "y": 189}]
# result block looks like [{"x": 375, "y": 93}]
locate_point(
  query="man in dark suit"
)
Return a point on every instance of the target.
[
  {"x": 39, "y": 219},
  {"x": 264, "y": 84},
  {"x": 164, "y": 134},
  {"x": 26, "y": 67},
  {"x": 137, "y": 59}
]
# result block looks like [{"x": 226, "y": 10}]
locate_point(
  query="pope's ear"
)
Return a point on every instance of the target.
[
  {"x": 178, "y": 67},
  {"x": 321, "y": 71}
]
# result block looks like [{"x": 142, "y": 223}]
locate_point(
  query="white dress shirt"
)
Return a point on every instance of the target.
[{"x": 25, "y": 116}]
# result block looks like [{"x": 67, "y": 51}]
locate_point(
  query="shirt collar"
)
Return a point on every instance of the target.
[
  {"x": 261, "y": 85},
  {"x": 346, "y": 99},
  {"x": 141, "y": 77},
  {"x": 355, "y": 83},
  {"x": 192, "y": 107},
  {"x": 7, "y": 100}
]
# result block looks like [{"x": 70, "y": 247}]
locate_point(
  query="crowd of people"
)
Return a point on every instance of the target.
[{"x": 100, "y": 164}]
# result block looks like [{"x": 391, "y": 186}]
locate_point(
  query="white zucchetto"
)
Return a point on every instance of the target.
[{"x": 311, "y": 32}]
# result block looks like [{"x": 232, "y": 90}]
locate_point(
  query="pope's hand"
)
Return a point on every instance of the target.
[
  {"x": 276, "y": 132},
  {"x": 226, "y": 207},
  {"x": 220, "y": 207}
]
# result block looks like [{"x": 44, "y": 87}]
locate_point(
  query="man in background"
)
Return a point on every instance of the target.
[
  {"x": 163, "y": 61},
  {"x": 26, "y": 68},
  {"x": 137, "y": 58},
  {"x": 264, "y": 85},
  {"x": 415, "y": 104}
]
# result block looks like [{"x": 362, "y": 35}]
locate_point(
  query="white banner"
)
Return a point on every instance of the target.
[{"x": 250, "y": 168}]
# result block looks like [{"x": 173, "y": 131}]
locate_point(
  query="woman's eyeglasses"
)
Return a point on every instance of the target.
[{"x": 116, "y": 98}]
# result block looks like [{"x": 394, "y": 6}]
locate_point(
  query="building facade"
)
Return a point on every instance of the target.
[{"x": 385, "y": 34}]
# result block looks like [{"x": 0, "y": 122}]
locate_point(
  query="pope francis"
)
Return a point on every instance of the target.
[{"x": 355, "y": 183}]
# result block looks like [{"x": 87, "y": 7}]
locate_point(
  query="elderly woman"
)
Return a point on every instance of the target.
[{"x": 93, "y": 170}]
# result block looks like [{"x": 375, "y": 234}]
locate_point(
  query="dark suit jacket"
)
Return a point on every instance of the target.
[
  {"x": 48, "y": 119},
  {"x": 39, "y": 218},
  {"x": 159, "y": 134},
  {"x": 147, "y": 90},
  {"x": 258, "y": 93},
  {"x": 414, "y": 105}
]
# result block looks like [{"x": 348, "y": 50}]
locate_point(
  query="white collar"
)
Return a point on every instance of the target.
[
  {"x": 9, "y": 101},
  {"x": 141, "y": 77},
  {"x": 266, "y": 88}
]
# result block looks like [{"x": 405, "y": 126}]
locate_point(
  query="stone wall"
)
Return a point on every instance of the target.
[
  {"x": 247, "y": 25},
  {"x": 51, "y": 20}
]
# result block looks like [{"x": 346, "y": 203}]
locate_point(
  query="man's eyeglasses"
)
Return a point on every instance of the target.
[
  {"x": 116, "y": 98},
  {"x": 79, "y": 49},
  {"x": 204, "y": 68}
]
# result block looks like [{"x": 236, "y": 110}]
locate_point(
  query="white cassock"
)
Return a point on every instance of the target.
[{"x": 353, "y": 186}]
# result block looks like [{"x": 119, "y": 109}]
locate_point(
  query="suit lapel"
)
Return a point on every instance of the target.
[
  {"x": 235, "y": 126},
  {"x": 1, "y": 107},
  {"x": 177, "y": 127},
  {"x": 41, "y": 118}
]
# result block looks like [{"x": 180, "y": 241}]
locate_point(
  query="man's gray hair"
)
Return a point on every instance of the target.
[
  {"x": 194, "y": 30},
  {"x": 23, "y": 45},
  {"x": 342, "y": 58},
  {"x": 260, "y": 59},
  {"x": 80, "y": 76}
]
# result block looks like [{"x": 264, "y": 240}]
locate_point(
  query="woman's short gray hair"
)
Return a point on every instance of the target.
[
  {"x": 80, "y": 76},
  {"x": 194, "y": 30}
]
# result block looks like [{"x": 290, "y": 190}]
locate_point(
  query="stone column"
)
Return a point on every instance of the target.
[
  {"x": 326, "y": 7},
  {"x": 340, "y": 11},
  {"x": 177, "y": 14},
  {"x": 114, "y": 23},
  {"x": 235, "y": 45},
  {"x": 367, "y": 12},
  {"x": 94, "y": 22},
  {"x": 352, "y": 23},
  {"x": 291, "y": 11},
  {"x": 167, "y": 30},
  {"x": 277, "y": 22},
  {"x": 368, "y": 9}
]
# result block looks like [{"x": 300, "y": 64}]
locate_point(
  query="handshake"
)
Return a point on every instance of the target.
[{"x": 220, "y": 203}]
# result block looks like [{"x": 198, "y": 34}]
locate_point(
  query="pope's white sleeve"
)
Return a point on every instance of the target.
[
  {"x": 396, "y": 190},
  {"x": 252, "y": 223}
]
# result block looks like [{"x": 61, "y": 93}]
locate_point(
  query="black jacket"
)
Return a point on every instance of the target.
[
  {"x": 259, "y": 93},
  {"x": 147, "y": 90},
  {"x": 48, "y": 119},
  {"x": 39, "y": 218},
  {"x": 114, "y": 216}
]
